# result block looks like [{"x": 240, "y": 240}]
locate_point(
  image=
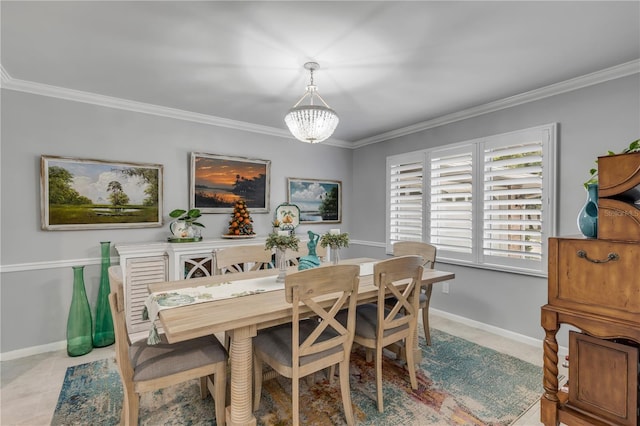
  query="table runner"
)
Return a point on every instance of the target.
[{"x": 159, "y": 301}]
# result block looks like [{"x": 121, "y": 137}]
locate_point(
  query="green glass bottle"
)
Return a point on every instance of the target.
[
  {"x": 79, "y": 341},
  {"x": 103, "y": 334}
]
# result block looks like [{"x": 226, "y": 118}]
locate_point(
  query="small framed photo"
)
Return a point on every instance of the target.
[
  {"x": 80, "y": 193},
  {"x": 218, "y": 181},
  {"x": 320, "y": 201}
]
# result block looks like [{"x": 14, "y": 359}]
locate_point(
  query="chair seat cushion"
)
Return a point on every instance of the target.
[
  {"x": 276, "y": 342},
  {"x": 367, "y": 320},
  {"x": 422, "y": 299},
  {"x": 152, "y": 361}
]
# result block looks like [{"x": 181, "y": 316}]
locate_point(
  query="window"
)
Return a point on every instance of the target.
[
  {"x": 485, "y": 203},
  {"x": 405, "y": 198}
]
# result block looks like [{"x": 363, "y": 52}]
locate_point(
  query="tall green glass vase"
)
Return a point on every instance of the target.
[
  {"x": 79, "y": 341},
  {"x": 103, "y": 334}
]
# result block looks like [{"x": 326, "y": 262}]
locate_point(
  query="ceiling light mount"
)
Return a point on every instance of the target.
[{"x": 311, "y": 123}]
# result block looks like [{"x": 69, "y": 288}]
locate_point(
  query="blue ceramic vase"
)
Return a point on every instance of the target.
[{"x": 588, "y": 216}]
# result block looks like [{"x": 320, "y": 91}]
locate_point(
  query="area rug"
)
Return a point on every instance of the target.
[{"x": 459, "y": 383}]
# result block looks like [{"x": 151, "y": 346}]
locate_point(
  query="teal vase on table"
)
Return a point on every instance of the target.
[
  {"x": 79, "y": 324},
  {"x": 103, "y": 334}
]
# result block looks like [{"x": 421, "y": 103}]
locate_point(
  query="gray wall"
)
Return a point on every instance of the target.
[
  {"x": 591, "y": 121},
  {"x": 36, "y": 281},
  {"x": 35, "y": 287}
]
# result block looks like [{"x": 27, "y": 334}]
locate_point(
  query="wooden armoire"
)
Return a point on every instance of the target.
[{"x": 594, "y": 286}]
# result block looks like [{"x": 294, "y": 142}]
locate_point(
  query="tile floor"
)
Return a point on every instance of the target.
[{"x": 30, "y": 386}]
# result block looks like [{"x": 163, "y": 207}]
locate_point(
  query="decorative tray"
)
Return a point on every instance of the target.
[
  {"x": 239, "y": 237},
  {"x": 184, "y": 240}
]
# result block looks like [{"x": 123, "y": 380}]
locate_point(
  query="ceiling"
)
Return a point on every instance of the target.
[{"x": 385, "y": 65}]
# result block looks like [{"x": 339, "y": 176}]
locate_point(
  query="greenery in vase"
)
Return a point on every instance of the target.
[
  {"x": 335, "y": 240},
  {"x": 282, "y": 242},
  {"x": 189, "y": 217},
  {"x": 593, "y": 173}
]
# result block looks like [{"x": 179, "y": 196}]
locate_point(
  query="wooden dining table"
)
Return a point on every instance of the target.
[{"x": 242, "y": 317}]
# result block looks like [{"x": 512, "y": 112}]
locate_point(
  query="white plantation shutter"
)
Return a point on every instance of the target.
[
  {"x": 451, "y": 200},
  {"x": 512, "y": 220},
  {"x": 517, "y": 181},
  {"x": 405, "y": 199},
  {"x": 488, "y": 203}
]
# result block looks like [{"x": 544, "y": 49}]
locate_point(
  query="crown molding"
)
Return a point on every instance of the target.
[
  {"x": 618, "y": 71},
  {"x": 124, "y": 104},
  {"x": 612, "y": 73},
  {"x": 4, "y": 76}
]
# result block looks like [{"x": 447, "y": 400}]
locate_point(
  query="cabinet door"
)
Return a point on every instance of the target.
[
  {"x": 603, "y": 378},
  {"x": 141, "y": 272},
  {"x": 197, "y": 266}
]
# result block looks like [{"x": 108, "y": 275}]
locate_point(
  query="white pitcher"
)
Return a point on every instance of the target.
[{"x": 181, "y": 229}]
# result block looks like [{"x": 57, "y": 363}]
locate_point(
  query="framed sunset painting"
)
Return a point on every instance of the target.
[{"x": 218, "y": 181}]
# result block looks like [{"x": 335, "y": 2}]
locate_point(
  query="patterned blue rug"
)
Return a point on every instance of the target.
[{"x": 459, "y": 383}]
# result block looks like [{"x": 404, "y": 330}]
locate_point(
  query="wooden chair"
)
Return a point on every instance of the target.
[
  {"x": 378, "y": 325},
  {"x": 306, "y": 346},
  {"x": 239, "y": 258},
  {"x": 145, "y": 368},
  {"x": 231, "y": 260},
  {"x": 428, "y": 253}
]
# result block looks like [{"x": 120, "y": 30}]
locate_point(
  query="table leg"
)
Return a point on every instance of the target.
[{"x": 239, "y": 412}]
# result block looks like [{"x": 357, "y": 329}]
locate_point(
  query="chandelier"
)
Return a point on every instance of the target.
[{"x": 311, "y": 123}]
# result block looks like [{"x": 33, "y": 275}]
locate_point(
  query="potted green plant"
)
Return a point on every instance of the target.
[
  {"x": 335, "y": 240},
  {"x": 281, "y": 241},
  {"x": 185, "y": 223}
]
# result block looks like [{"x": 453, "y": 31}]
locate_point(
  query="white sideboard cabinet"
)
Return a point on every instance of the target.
[{"x": 145, "y": 263}]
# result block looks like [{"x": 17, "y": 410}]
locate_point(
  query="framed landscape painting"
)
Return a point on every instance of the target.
[
  {"x": 218, "y": 181},
  {"x": 320, "y": 201},
  {"x": 95, "y": 194}
]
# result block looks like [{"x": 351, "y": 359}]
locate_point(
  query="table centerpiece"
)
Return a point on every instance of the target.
[
  {"x": 335, "y": 240},
  {"x": 281, "y": 241}
]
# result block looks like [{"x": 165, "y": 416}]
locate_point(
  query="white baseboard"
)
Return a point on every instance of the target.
[
  {"x": 33, "y": 350},
  {"x": 562, "y": 350}
]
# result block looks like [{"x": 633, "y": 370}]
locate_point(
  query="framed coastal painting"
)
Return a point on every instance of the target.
[
  {"x": 79, "y": 193},
  {"x": 320, "y": 201},
  {"x": 218, "y": 181}
]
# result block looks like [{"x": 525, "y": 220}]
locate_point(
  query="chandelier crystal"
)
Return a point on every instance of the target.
[{"x": 311, "y": 123}]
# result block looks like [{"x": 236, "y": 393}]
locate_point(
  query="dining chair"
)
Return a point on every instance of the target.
[
  {"x": 242, "y": 258},
  {"x": 428, "y": 253},
  {"x": 144, "y": 368},
  {"x": 379, "y": 324},
  {"x": 306, "y": 346},
  {"x": 234, "y": 259}
]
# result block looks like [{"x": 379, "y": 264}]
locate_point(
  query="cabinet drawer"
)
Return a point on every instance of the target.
[{"x": 583, "y": 277}]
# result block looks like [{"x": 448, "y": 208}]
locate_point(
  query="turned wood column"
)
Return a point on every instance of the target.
[
  {"x": 549, "y": 400},
  {"x": 239, "y": 411}
]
